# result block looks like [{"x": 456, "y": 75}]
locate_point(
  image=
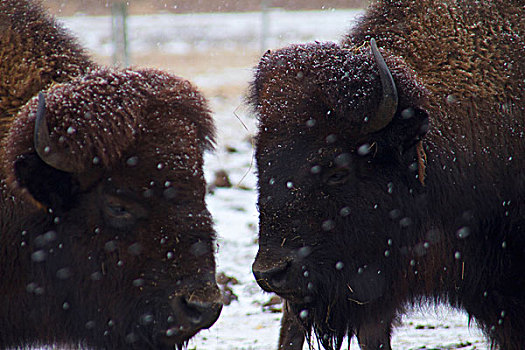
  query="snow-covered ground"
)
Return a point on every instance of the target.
[{"x": 244, "y": 324}]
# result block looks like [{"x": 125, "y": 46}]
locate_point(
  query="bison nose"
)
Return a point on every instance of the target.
[
  {"x": 198, "y": 314},
  {"x": 273, "y": 278}
]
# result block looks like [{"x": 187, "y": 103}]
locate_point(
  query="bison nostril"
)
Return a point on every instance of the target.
[
  {"x": 193, "y": 311},
  {"x": 189, "y": 317},
  {"x": 198, "y": 314},
  {"x": 278, "y": 277},
  {"x": 272, "y": 278}
]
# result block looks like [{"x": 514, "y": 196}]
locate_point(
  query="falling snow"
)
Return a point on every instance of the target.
[{"x": 244, "y": 324}]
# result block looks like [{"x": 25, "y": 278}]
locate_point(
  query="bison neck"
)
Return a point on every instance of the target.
[
  {"x": 467, "y": 227},
  {"x": 17, "y": 218},
  {"x": 21, "y": 269}
]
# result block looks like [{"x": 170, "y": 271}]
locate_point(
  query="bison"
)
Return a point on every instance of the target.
[
  {"x": 105, "y": 238},
  {"x": 391, "y": 171}
]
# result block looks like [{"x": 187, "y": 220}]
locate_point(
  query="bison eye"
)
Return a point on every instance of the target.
[
  {"x": 121, "y": 213},
  {"x": 336, "y": 176},
  {"x": 118, "y": 211}
]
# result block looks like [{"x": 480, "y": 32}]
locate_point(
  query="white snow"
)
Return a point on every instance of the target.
[{"x": 243, "y": 324}]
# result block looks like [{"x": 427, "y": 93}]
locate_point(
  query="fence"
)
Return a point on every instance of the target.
[{"x": 119, "y": 13}]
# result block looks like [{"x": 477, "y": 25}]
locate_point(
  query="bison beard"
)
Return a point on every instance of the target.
[
  {"x": 105, "y": 238},
  {"x": 359, "y": 218}
]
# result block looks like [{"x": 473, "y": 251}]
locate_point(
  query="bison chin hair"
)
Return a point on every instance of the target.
[
  {"x": 328, "y": 319},
  {"x": 327, "y": 315},
  {"x": 339, "y": 306}
]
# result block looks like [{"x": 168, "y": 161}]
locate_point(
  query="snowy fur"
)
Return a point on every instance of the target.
[{"x": 331, "y": 194}]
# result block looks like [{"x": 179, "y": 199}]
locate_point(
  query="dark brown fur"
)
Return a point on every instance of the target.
[
  {"x": 292, "y": 334},
  {"x": 349, "y": 231},
  {"x": 117, "y": 254},
  {"x": 36, "y": 52}
]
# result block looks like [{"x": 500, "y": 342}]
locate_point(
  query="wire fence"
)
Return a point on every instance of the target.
[{"x": 136, "y": 7}]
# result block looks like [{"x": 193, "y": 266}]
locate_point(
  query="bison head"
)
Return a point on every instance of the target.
[
  {"x": 336, "y": 153},
  {"x": 120, "y": 243}
]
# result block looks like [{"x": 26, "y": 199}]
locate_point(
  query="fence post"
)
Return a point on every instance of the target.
[
  {"x": 265, "y": 24},
  {"x": 119, "y": 34}
]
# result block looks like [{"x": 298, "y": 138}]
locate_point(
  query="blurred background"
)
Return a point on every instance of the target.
[{"x": 101, "y": 7}]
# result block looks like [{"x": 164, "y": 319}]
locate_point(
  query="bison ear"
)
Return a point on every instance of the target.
[
  {"x": 42, "y": 173},
  {"x": 51, "y": 187},
  {"x": 409, "y": 126}
]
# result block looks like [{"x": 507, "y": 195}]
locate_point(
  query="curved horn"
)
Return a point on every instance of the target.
[
  {"x": 42, "y": 141},
  {"x": 388, "y": 105}
]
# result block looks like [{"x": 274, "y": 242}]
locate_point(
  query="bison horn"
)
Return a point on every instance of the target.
[
  {"x": 42, "y": 141},
  {"x": 388, "y": 105}
]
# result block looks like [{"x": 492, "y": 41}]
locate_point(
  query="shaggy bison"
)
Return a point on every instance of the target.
[
  {"x": 393, "y": 175},
  {"x": 105, "y": 239}
]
